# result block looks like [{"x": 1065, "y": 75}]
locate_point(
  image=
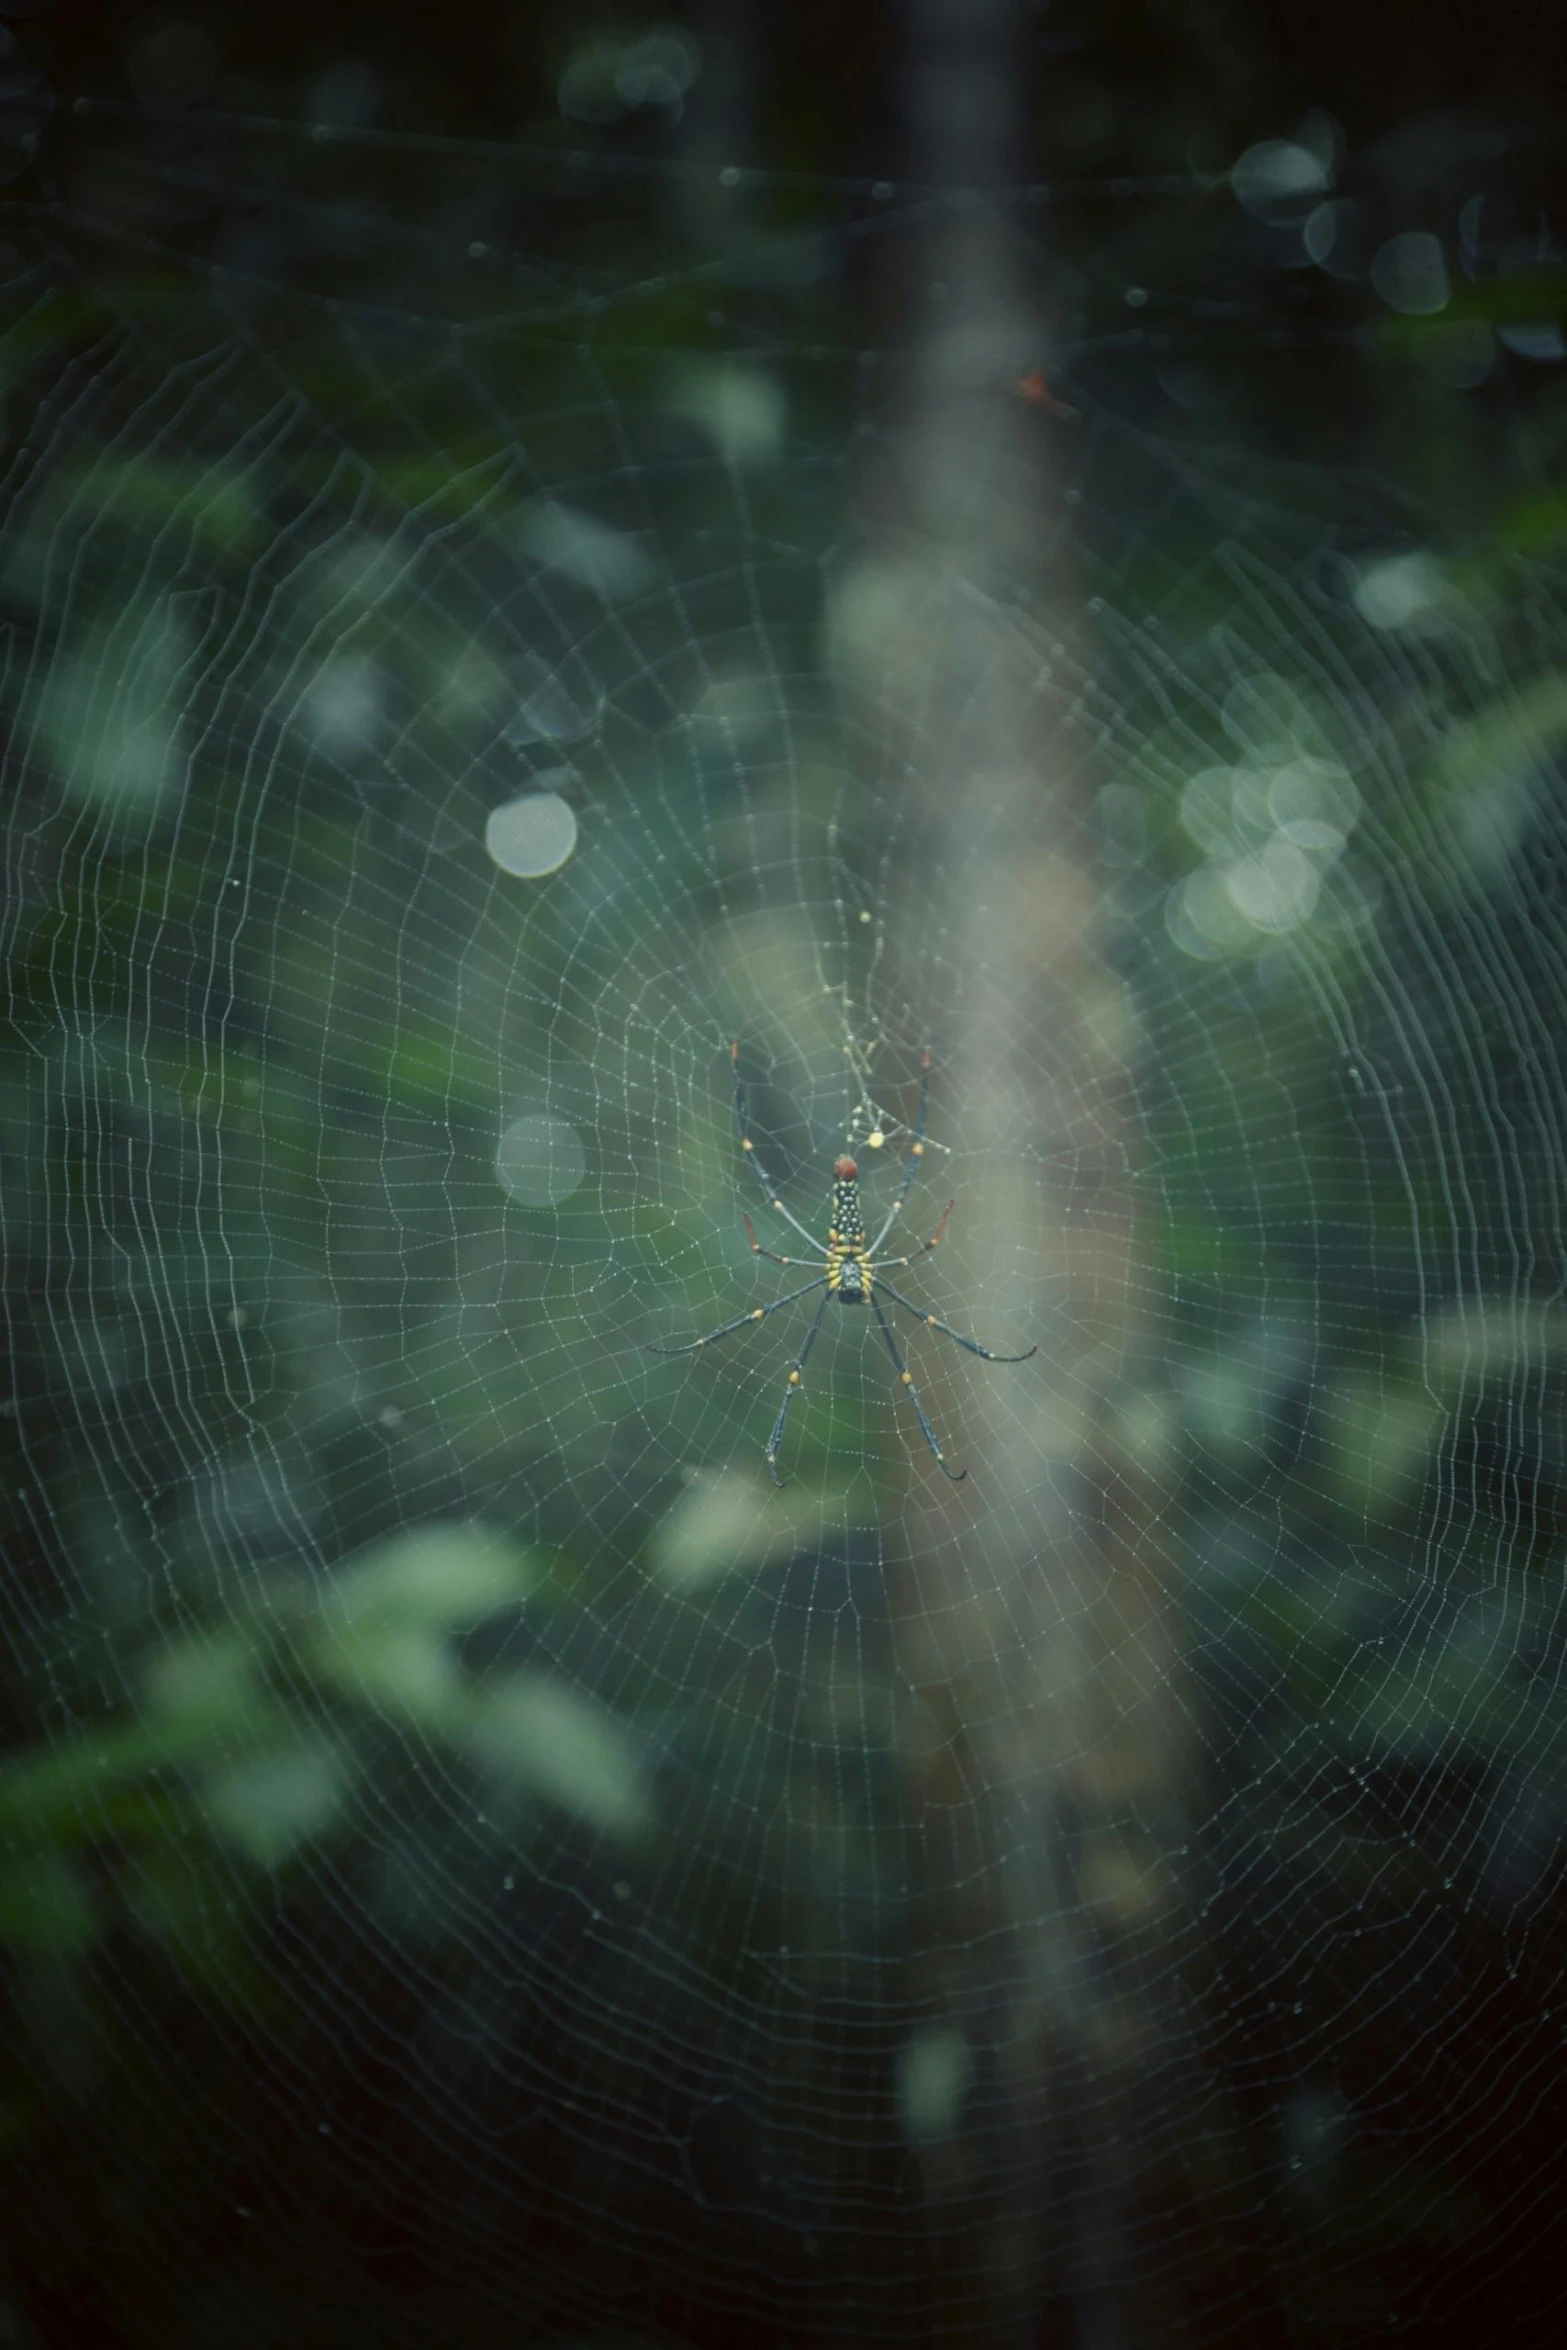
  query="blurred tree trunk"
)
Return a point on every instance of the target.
[{"x": 1082, "y": 2179}]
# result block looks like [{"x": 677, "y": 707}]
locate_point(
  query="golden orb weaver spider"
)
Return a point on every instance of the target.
[{"x": 849, "y": 1273}]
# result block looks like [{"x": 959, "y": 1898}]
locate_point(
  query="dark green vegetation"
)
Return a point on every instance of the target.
[{"x": 456, "y": 1883}]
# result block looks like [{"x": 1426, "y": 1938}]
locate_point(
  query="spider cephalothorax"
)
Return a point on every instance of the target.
[{"x": 849, "y": 1273}]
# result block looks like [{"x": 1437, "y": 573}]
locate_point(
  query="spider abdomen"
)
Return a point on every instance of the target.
[{"x": 847, "y": 1225}]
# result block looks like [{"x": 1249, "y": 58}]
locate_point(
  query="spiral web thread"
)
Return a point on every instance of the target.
[{"x": 355, "y": 1161}]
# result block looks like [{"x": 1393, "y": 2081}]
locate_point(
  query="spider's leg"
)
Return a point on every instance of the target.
[
  {"x": 916, "y": 1153},
  {"x": 757, "y": 1314},
  {"x": 748, "y": 1150},
  {"x": 792, "y": 1390},
  {"x": 894, "y": 1263},
  {"x": 906, "y": 1375},
  {"x": 933, "y": 1322},
  {"x": 757, "y": 1249}
]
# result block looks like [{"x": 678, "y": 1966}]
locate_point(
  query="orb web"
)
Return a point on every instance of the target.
[{"x": 457, "y": 695}]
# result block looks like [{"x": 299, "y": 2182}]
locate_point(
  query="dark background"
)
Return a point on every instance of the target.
[{"x": 275, "y": 2075}]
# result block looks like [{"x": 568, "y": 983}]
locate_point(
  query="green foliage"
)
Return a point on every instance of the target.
[{"x": 268, "y": 1004}]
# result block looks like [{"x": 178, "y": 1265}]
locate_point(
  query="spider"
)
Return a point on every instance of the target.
[{"x": 849, "y": 1274}]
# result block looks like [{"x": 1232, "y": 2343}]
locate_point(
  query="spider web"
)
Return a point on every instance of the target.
[{"x": 456, "y": 689}]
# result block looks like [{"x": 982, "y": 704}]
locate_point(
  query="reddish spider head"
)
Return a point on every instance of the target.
[{"x": 844, "y": 1170}]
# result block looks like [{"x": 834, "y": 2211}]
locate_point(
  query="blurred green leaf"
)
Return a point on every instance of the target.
[
  {"x": 46, "y": 1908},
  {"x": 202, "y": 1686},
  {"x": 401, "y": 1670},
  {"x": 216, "y": 509},
  {"x": 544, "y": 1739},
  {"x": 436, "y": 1577},
  {"x": 1380, "y": 1429},
  {"x": 737, "y": 1522},
  {"x": 105, "y": 715},
  {"x": 272, "y": 1803},
  {"x": 91, "y": 1783}
]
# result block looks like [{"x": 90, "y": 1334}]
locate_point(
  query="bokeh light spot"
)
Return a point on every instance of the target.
[
  {"x": 1410, "y": 273},
  {"x": 1404, "y": 591},
  {"x": 540, "y": 1161},
  {"x": 531, "y": 835},
  {"x": 1274, "y": 178}
]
